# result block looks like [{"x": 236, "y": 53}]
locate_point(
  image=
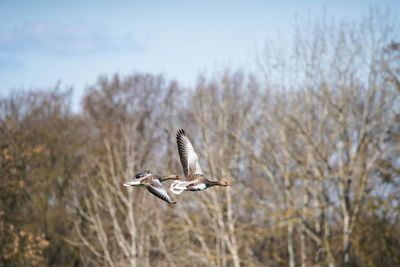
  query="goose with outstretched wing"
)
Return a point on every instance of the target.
[
  {"x": 153, "y": 183},
  {"x": 195, "y": 179}
]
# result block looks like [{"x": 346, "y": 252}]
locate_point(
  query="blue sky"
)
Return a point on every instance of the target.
[{"x": 43, "y": 42}]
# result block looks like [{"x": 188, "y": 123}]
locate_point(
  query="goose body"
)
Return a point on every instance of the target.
[
  {"x": 195, "y": 179},
  {"x": 153, "y": 183}
]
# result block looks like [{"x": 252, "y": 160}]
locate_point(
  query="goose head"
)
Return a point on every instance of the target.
[{"x": 218, "y": 183}]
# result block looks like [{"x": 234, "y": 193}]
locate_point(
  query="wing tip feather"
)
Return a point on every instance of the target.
[{"x": 180, "y": 132}]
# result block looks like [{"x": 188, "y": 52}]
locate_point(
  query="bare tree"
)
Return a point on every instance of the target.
[
  {"x": 114, "y": 224},
  {"x": 334, "y": 121}
]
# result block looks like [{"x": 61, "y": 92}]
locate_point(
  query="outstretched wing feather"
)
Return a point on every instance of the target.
[
  {"x": 187, "y": 155},
  {"x": 156, "y": 188}
]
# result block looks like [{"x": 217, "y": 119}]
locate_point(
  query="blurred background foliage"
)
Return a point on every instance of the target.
[{"x": 310, "y": 144}]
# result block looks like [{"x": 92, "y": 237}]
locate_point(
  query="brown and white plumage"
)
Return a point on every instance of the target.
[
  {"x": 195, "y": 179},
  {"x": 153, "y": 184}
]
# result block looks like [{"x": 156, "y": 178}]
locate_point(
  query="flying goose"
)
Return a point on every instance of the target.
[
  {"x": 153, "y": 183},
  {"x": 195, "y": 179}
]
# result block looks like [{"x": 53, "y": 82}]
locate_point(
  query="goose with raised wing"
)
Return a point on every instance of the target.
[
  {"x": 153, "y": 183},
  {"x": 195, "y": 179}
]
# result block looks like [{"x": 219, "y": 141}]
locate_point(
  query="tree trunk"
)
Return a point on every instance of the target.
[
  {"x": 346, "y": 240},
  {"x": 290, "y": 245},
  {"x": 303, "y": 248}
]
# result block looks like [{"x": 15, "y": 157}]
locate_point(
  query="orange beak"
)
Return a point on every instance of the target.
[
  {"x": 228, "y": 184},
  {"x": 179, "y": 177}
]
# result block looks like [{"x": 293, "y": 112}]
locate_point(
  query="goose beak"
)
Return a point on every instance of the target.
[
  {"x": 228, "y": 184},
  {"x": 179, "y": 177}
]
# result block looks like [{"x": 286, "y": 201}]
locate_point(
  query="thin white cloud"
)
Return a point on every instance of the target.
[{"x": 49, "y": 38}]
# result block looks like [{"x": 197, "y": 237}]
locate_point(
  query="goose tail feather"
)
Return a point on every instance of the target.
[{"x": 178, "y": 187}]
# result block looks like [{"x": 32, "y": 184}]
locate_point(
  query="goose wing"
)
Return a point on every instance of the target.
[
  {"x": 187, "y": 155},
  {"x": 142, "y": 174},
  {"x": 156, "y": 188}
]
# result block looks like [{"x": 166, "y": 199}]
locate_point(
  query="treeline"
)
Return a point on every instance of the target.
[{"x": 310, "y": 143}]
